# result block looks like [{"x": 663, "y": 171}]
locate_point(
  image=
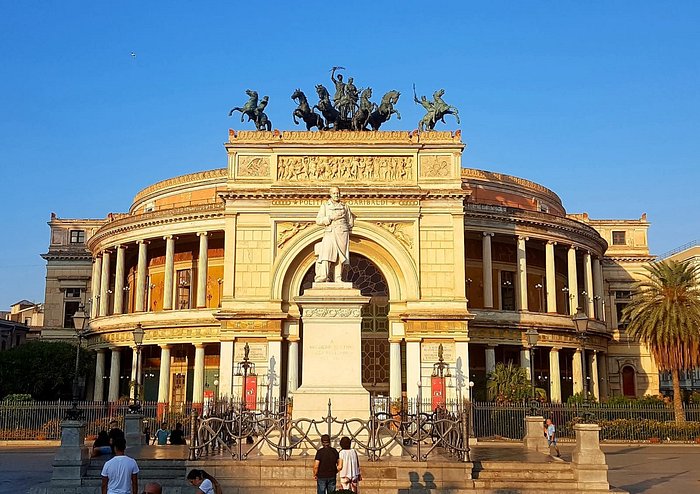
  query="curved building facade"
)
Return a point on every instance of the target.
[{"x": 462, "y": 258}]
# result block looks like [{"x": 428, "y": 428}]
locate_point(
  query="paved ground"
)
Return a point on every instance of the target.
[{"x": 649, "y": 469}]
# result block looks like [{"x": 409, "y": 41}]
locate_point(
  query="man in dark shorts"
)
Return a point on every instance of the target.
[{"x": 326, "y": 466}]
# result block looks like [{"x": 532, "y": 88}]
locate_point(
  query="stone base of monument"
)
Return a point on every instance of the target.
[
  {"x": 332, "y": 324},
  {"x": 73, "y": 457}
]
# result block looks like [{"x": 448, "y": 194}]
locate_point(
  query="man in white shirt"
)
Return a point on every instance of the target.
[{"x": 120, "y": 474}]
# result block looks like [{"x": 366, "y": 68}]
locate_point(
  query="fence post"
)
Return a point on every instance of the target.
[
  {"x": 588, "y": 460},
  {"x": 73, "y": 457},
  {"x": 193, "y": 435},
  {"x": 132, "y": 429},
  {"x": 534, "y": 434}
]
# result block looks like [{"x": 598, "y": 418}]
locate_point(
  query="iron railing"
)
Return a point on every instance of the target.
[
  {"x": 410, "y": 431},
  {"x": 619, "y": 422}
]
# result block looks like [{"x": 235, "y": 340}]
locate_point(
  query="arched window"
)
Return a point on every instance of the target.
[{"x": 629, "y": 387}]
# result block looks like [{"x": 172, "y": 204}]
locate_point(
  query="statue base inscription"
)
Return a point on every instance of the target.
[{"x": 331, "y": 314}]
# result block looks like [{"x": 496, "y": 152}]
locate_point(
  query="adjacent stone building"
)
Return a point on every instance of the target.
[{"x": 466, "y": 258}]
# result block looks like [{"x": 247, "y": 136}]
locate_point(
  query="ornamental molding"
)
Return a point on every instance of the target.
[
  {"x": 400, "y": 231},
  {"x": 287, "y": 230},
  {"x": 355, "y": 137},
  {"x": 189, "y": 179},
  {"x": 351, "y": 196},
  {"x": 507, "y": 179},
  {"x": 331, "y": 312},
  {"x": 251, "y": 166},
  {"x": 158, "y": 218},
  {"x": 436, "y": 166}
]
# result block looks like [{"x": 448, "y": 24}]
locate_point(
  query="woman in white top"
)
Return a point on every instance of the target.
[
  {"x": 348, "y": 466},
  {"x": 205, "y": 483}
]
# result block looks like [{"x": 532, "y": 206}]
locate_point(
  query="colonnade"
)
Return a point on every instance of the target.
[{"x": 101, "y": 282}]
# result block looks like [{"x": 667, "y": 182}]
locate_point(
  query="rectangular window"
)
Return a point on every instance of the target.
[
  {"x": 70, "y": 308},
  {"x": 619, "y": 308},
  {"x": 72, "y": 292},
  {"x": 77, "y": 236},
  {"x": 618, "y": 238},
  {"x": 507, "y": 290},
  {"x": 183, "y": 288},
  {"x": 623, "y": 294}
]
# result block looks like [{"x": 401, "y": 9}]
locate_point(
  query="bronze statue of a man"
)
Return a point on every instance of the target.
[{"x": 334, "y": 249}]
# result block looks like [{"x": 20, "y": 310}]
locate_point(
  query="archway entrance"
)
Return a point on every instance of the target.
[
  {"x": 365, "y": 276},
  {"x": 628, "y": 382}
]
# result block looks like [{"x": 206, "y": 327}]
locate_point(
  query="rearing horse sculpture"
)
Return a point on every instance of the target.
[
  {"x": 303, "y": 111},
  {"x": 385, "y": 110},
  {"x": 366, "y": 107},
  {"x": 250, "y": 108},
  {"x": 330, "y": 114}
]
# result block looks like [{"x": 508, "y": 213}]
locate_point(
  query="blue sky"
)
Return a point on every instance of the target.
[{"x": 596, "y": 100}]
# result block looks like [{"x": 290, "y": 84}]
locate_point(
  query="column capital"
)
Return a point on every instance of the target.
[
  {"x": 491, "y": 345},
  {"x": 551, "y": 242},
  {"x": 523, "y": 237},
  {"x": 395, "y": 340},
  {"x": 199, "y": 345},
  {"x": 488, "y": 234},
  {"x": 166, "y": 346},
  {"x": 202, "y": 234},
  {"x": 169, "y": 237},
  {"x": 121, "y": 246},
  {"x": 143, "y": 241},
  {"x": 554, "y": 349},
  {"x": 572, "y": 247}
]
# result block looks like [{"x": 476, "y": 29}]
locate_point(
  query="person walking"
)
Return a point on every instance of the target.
[
  {"x": 326, "y": 465},
  {"x": 349, "y": 466},
  {"x": 177, "y": 435},
  {"x": 205, "y": 483},
  {"x": 550, "y": 432},
  {"x": 120, "y": 474}
]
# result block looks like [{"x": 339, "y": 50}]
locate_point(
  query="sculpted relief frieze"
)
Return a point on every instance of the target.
[
  {"x": 401, "y": 231},
  {"x": 323, "y": 312},
  {"x": 288, "y": 230},
  {"x": 347, "y": 168},
  {"x": 253, "y": 166}
]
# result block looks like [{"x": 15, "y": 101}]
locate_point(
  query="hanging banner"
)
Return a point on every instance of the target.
[
  {"x": 251, "y": 392},
  {"x": 437, "y": 392}
]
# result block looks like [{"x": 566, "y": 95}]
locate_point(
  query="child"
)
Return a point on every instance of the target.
[
  {"x": 551, "y": 435},
  {"x": 161, "y": 435}
]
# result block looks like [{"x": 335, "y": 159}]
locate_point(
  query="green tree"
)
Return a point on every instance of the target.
[
  {"x": 510, "y": 383},
  {"x": 664, "y": 315},
  {"x": 42, "y": 369}
]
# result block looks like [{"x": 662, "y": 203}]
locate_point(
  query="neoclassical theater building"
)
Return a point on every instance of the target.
[{"x": 466, "y": 258}]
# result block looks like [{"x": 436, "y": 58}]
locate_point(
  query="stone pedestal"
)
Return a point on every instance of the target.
[
  {"x": 73, "y": 457},
  {"x": 132, "y": 430},
  {"x": 534, "y": 439},
  {"x": 588, "y": 460},
  {"x": 332, "y": 369}
]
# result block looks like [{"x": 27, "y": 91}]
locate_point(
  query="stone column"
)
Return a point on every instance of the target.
[
  {"x": 490, "y": 358},
  {"x": 525, "y": 361},
  {"x": 551, "y": 277},
  {"x": 104, "y": 285},
  {"x": 134, "y": 373},
  {"x": 226, "y": 369},
  {"x": 202, "y": 264},
  {"x": 164, "y": 381},
  {"x": 487, "y": 266},
  {"x": 394, "y": 370},
  {"x": 169, "y": 272},
  {"x": 593, "y": 366},
  {"x": 572, "y": 281},
  {"x": 293, "y": 366},
  {"x": 588, "y": 285},
  {"x": 413, "y": 368},
  {"x": 141, "y": 276},
  {"x": 99, "y": 391},
  {"x": 554, "y": 376},
  {"x": 119, "y": 281},
  {"x": 95, "y": 287},
  {"x": 577, "y": 368},
  {"x": 521, "y": 278},
  {"x": 274, "y": 371},
  {"x": 603, "y": 373},
  {"x": 598, "y": 289},
  {"x": 114, "y": 371},
  {"x": 198, "y": 379}
]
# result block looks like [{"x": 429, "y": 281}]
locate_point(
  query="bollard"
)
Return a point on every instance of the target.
[
  {"x": 588, "y": 460},
  {"x": 534, "y": 439}
]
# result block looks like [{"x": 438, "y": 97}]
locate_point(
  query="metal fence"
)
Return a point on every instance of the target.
[{"x": 618, "y": 422}]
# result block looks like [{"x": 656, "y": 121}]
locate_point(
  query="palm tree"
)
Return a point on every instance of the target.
[
  {"x": 509, "y": 384},
  {"x": 664, "y": 315}
]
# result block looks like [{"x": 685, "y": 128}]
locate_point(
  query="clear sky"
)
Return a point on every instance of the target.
[{"x": 596, "y": 100}]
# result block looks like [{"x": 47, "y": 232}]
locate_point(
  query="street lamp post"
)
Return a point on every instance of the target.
[
  {"x": 80, "y": 320},
  {"x": 581, "y": 322},
  {"x": 532, "y": 338},
  {"x": 138, "y": 334},
  {"x": 245, "y": 368}
]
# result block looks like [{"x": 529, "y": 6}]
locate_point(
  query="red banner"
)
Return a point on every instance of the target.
[
  {"x": 251, "y": 392},
  {"x": 437, "y": 392}
]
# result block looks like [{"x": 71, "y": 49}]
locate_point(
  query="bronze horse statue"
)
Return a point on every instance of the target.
[
  {"x": 303, "y": 111},
  {"x": 330, "y": 114},
  {"x": 250, "y": 108},
  {"x": 366, "y": 107},
  {"x": 384, "y": 110},
  {"x": 435, "y": 110}
]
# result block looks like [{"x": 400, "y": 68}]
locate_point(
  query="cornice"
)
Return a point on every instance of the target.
[
  {"x": 156, "y": 218},
  {"x": 613, "y": 259},
  {"x": 509, "y": 180},
  {"x": 534, "y": 218},
  {"x": 391, "y": 137},
  {"x": 188, "y": 179},
  {"x": 321, "y": 194}
]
